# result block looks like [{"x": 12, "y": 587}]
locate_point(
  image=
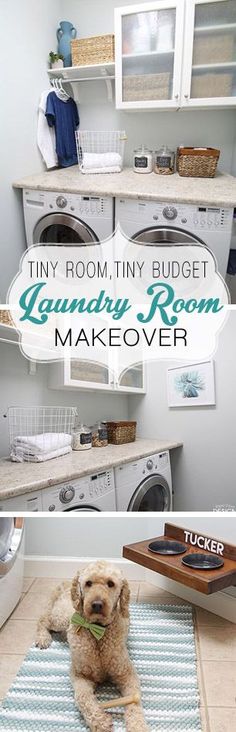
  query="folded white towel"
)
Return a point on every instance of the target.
[
  {"x": 45, "y": 442},
  {"x": 19, "y": 456},
  {"x": 101, "y": 160},
  {"x": 94, "y": 171}
]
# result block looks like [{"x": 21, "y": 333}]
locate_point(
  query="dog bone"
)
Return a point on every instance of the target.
[{"x": 123, "y": 701}]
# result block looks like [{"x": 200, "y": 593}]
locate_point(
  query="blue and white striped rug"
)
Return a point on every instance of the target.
[{"x": 162, "y": 646}]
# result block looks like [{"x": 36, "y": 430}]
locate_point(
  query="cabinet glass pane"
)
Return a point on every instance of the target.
[
  {"x": 88, "y": 371},
  {"x": 132, "y": 377},
  {"x": 214, "y": 50},
  {"x": 148, "y": 42}
]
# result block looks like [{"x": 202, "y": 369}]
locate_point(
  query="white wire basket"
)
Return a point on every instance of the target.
[
  {"x": 100, "y": 151},
  {"x": 40, "y": 433}
]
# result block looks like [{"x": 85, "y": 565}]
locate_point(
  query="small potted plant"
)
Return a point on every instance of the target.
[{"x": 56, "y": 60}]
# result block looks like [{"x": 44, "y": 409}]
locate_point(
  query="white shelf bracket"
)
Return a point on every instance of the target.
[
  {"x": 32, "y": 368},
  {"x": 108, "y": 83}
]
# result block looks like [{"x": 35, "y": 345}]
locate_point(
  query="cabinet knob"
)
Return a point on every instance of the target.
[
  {"x": 186, "y": 96},
  {"x": 176, "y": 96}
]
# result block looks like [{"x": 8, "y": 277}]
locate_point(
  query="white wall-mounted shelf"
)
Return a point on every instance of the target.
[
  {"x": 147, "y": 55},
  {"x": 220, "y": 66},
  {"x": 81, "y": 74},
  {"x": 215, "y": 28}
]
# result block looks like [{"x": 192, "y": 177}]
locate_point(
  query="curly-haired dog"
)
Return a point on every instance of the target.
[{"x": 99, "y": 595}]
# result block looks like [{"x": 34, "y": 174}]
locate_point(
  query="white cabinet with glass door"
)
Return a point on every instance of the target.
[
  {"x": 133, "y": 380},
  {"x": 149, "y": 43},
  {"x": 78, "y": 374},
  {"x": 209, "y": 65}
]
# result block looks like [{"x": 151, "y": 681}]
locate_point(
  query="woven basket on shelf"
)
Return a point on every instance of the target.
[
  {"x": 211, "y": 49},
  {"x": 119, "y": 433},
  {"x": 5, "y": 318},
  {"x": 211, "y": 85},
  {"x": 196, "y": 162},
  {"x": 93, "y": 50},
  {"x": 145, "y": 87}
]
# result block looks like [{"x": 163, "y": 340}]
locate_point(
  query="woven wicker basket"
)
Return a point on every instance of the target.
[
  {"x": 5, "y": 318},
  {"x": 119, "y": 433},
  {"x": 214, "y": 48},
  {"x": 211, "y": 85},
  {"x": 146, "y": 87},
  {"x": 195, "y": 162},
  {"x": 93, "y": 50}
]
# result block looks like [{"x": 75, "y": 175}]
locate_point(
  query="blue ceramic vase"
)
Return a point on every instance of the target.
[{"x": 65, "y": 33}]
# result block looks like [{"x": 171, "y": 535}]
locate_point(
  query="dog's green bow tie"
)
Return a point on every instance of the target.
[{"x": 96, "y": 630}]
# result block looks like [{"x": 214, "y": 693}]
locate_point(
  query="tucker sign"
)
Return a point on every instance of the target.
[{"x": 204, "y": 542}]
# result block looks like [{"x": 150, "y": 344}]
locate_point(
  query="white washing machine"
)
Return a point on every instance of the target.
[
  {"x": 145, "y": 485},
  {"x": 66, "y": 218},
  {"x": 163, "y": 224},
  {"x": 91, "y": 493},
  {"x": 11, "y": 565}
]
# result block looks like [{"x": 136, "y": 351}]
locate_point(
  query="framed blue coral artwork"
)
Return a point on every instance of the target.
[{"x": 192, "y": 385}]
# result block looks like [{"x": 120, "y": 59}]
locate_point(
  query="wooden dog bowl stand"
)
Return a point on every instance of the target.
[{"x": 206, "y": 581}]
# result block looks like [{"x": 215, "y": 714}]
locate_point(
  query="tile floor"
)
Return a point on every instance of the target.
[{"x": 215, "y": 644}]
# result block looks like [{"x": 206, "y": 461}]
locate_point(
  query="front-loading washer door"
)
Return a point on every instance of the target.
[
  {"x": 153, "y": 494},
  {"x": 12, "y": 546},
  {"x": 78, "y": 509},
  {"x": 165, "y": 236},
  {"x": 62, "y": 228}
]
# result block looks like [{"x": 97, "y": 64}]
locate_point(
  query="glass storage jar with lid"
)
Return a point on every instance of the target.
[
  {"x": 143, "y": 160},
  {"x": 99, "y": 435},
  {"x": 164, "y": 161},
  {"x": 81, "y": 437}
]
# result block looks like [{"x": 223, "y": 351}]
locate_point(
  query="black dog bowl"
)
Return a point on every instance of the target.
[
  {"x": 202, "y": 561},
  {"x": 166, "y": 546}
]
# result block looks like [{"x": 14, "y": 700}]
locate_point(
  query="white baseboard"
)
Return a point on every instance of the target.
[
  {"x": 220, "y": 603},
  {"x": 63, "y": 568}
]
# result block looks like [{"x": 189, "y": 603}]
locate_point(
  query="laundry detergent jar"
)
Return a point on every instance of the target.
[{"x": 142, "y": 161}]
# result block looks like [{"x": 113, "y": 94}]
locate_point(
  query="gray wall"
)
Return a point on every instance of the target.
[
  {"x": 99, "y": 536},
  {"x": 204, "y": 470},
  {"x": 27, "y": 34},
  {"x": 17, "y": 388}
]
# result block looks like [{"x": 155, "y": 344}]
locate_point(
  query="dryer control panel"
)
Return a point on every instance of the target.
[
  {"x": 184, "y": 216},
  {"x": 84, "y": 207},
  {"x": 79, "y": 492}
]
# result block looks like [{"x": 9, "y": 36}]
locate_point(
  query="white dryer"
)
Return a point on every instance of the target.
[
  {"x": 11, "y": 564},
  {"x": 145, "y": 485},
  {"x": 91, "y": 493},
  {"x": 66, "y": 218},
  {"x": 163, "y": 224}
]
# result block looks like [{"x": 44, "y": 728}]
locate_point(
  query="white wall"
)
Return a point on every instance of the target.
[
  {"x": 213, "y": 128},
  {"x": 83, "y": 536},
  {"x": 27, "y": 34},
  {"x": 17, "y": 388},
  {"x": 204, "y": 470},
  {"x": 102, "y": 536}
]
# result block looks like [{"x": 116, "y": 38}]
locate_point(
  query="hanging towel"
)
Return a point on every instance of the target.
[
  {"x": 64, "y": 117},
  {"x": 19, "y": 456},
  {"x": 101, "y": 163},
  {"x": 46, "y": 135}
]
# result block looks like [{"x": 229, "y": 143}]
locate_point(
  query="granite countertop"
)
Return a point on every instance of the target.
[
  {"x": 218, "y": 191},
  {"x": 19, "y": 478}
]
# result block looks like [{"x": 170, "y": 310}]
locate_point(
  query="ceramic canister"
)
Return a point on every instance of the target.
[{"x": 65, "y": 33}]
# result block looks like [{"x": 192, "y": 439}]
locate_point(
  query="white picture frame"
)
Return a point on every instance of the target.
[{"x": 191, "y": 385}]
